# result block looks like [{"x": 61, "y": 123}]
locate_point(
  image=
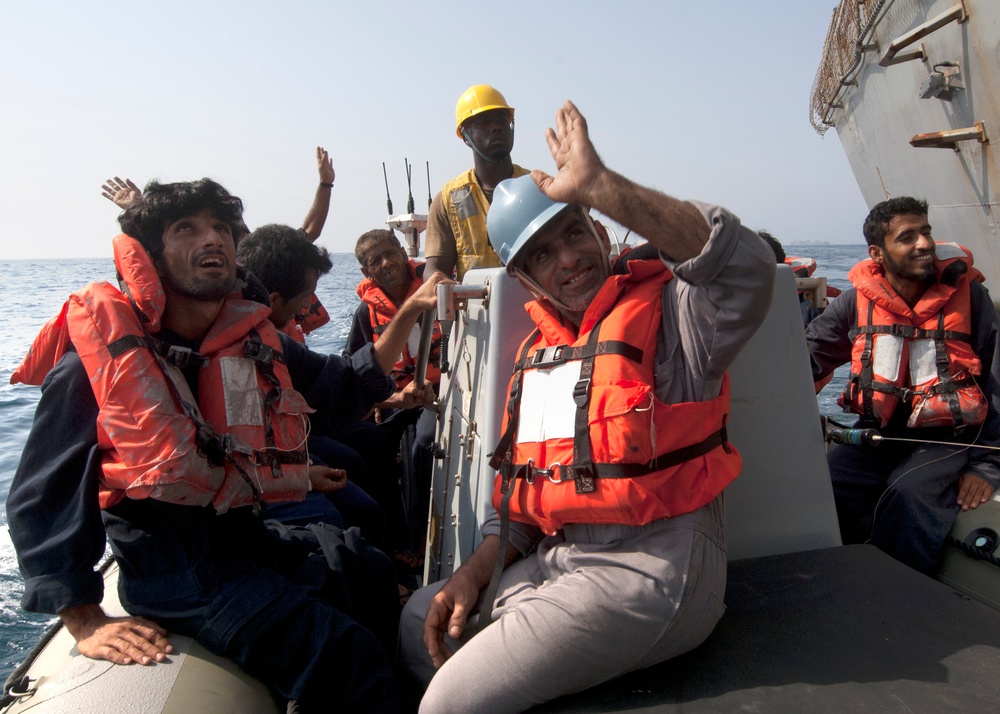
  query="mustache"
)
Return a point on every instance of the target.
[
  {"x": 581, "y": 266},
  {"x": 215, "y": 252}
]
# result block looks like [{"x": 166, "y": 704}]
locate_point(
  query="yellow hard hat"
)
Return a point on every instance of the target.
[{"x": 477, "y": 99}]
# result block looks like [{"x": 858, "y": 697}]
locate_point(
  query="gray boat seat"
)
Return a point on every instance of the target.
[{"x": 782, "y": 502}]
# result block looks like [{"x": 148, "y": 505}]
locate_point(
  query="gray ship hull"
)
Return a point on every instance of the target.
[{"x": 913, "y": 90}]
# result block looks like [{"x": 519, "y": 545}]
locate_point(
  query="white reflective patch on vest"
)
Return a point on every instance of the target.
[
  {"x": 547, "y": 407},
  {"x": 947, "y": 251},
  {"x": 243, "y": 397},
  {"x": 923, "y": 366},
  {"x": 465, "y": 204},
  {"x": 886, "y": 355},
  {"x": 412, "y": 342}
]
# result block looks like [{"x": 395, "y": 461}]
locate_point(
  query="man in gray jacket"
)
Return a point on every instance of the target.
[{"x": 616, "y": 554}]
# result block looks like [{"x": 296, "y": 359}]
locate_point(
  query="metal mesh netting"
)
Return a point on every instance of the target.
[{"x": 842, "y": 55}]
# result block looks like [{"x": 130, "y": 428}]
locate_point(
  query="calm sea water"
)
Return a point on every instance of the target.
[{"x": 33, "y": 291}]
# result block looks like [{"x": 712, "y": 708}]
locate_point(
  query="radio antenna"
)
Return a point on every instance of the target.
[
  {"x": 409, "y": 187},
  {"x": 428, "y": 185},
  {"x": 388, "y": 200}
]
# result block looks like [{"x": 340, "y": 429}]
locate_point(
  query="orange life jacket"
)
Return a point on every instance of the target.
[
  {"x": 921, "y": 356},
  {"x": 806, "y": 264},
  {"x": 381, "y": 310},
  {"x": 242, "y": 439},
  {"x": 311, "y": 318},
  {"x": 585, "y": 438},
  {"x": 294, "y": 330}
]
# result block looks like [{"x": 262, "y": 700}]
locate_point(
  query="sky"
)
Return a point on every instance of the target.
[{"x": 704, "y": 100}]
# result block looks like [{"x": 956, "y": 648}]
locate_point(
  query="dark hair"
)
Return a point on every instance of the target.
[
  {"x": 279, "y": 255},
  {"x": 779, "y": 252},
  {"x": 367, "y": 240},
  {"x": 166, "y": 202},
  {"x": 877, "y": 222}
]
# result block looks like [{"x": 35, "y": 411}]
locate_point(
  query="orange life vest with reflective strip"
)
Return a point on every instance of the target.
[
  {"x": 243, "y": 438},
  {"x": 921, "y": 356},
  {"x": 381, "y": 310},
  {"x": 585, "y": 438}
]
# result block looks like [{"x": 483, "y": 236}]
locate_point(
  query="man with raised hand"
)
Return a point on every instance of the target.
[{"x": 614, "y": 453}]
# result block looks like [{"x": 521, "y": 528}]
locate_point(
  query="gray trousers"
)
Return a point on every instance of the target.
[{"x": 592, "y": 603}]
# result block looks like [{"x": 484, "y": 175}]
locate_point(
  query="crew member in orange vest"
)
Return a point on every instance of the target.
[
  {"x": 614, "y": 515},
  {"x": 390, "y": 278},
  {"x": 919, "y": 330},
  {"x": 170, "y": 412}
]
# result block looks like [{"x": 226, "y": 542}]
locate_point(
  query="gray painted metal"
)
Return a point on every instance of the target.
[
  {"x": 782, "y": 502},
  {"x": 482, "y": 347},
  {"x": 881, "y": 112}
]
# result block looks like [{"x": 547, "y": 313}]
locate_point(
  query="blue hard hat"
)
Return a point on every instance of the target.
[{"x": 518, "y": 211}]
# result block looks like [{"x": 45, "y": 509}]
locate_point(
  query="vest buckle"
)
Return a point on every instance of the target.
[
  {"x": 550, "y": 472},
  {"x": 183, "y": 357},
  {"x": 257, "y": 350},
  {"x": 548, "y": 356}
]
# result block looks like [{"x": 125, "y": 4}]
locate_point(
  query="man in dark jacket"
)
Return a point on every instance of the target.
[
  {"x": 264, "y": 597},
  {"x": 915, "y": 382}
]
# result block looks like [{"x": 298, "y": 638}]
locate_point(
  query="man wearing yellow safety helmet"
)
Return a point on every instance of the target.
[{"x": 456, "y": 228}]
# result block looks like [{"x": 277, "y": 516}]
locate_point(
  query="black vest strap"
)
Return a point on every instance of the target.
[
  {"x": 583, "y": 465},
  {"x": 264, "y": 358},
  {"x": 181, "y": 357},
  {"x": 915, "y": 333},
  {"x": 663, "y": 461},
  {"x": 946, "y": 384},
  {"x": 558, "y": 354}
]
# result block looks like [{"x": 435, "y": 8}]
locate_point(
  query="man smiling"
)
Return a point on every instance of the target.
[
  {"x": 920, "y": 332},
  {"x": 614, "y": 455},
  {"x": 390, "y": 278}
]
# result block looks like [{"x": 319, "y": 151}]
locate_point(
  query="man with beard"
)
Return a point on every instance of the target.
[
  {"x": 172, "y": 412},
  {"x": 456, "y": 227},
  {"x": 614, "y": 452},
  {"x": 311, "y": 314},
  {"x": 920, "y": 332},
  {"x": 390, "y": 278}
]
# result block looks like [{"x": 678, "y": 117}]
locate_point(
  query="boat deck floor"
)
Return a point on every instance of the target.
[{"x": 833, "y": 630}]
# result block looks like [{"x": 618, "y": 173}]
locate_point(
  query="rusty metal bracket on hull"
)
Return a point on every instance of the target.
[
  {"x": 957, "y": 12},
  {"x": 948, "y": 139}
]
